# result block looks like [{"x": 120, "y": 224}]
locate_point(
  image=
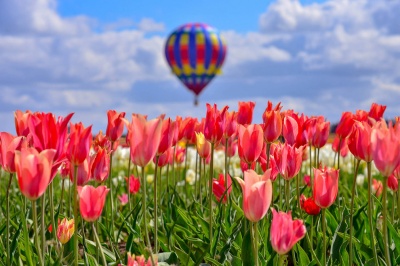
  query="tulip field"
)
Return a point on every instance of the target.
[{"x": 220, "y": 190}]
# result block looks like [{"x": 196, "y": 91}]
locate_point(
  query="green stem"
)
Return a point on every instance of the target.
[
  {"x": 370, "y": 211},
  {"x": 384, "y": 213},
  {"x": 268, "y": 152},
  {"x": 312, "y": 250},
  {"x": 312, "y": 232},
  {"x": 281, "y": 260},
  {"x": 53, "y": 223},
  {"x": 393, "y": 203},
  {"x": 351, "y": 214},
  {"x": 255, "y": 242},
  {"x": 156, "y": 207},
  {"x": 111, "y": 198},
  {"x": 144, "y": 208},
  {"x": 35, "y": 226},
  {"x": 43, "y": 226},
  {"x": 298, "y": 191},
  {"x": 324, "y": 237},
  {"x": 210, "y": 191},
  {"x": 287, "y": 191},
  {"x": 60, "y": 206},
  {"x": 103, "y": 258},
  {"x": 184, "y": 176},
  {"x": 226, "y": 171},
  {"x": 398, "y": 204},
  {"x": 75, "y": 202},
  {"x": 8, "y": 220}
]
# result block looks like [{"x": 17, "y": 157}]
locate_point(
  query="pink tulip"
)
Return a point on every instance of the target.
[
  {"x": 344, "y": 147},
  {"x": 144, "y": 139},
  {"x": 257, "y": 194},
  {"x": 100, "y": 165},
  {"x": 115, "y": 125},
  {"x": 21, "y": 122},
  {"x": 325, "y": 186},
  {"x": 91, "y": 201},
  {"x": 167, "y": 136},
  {"x": 250, "y": 142},
  {"x": 359, "y": 141},
  {"x": 33, "y": 171},
  {"x": 290, "y": 130},
  {"x": 385, "y": 143},
  {"x": 288, "y": 159},
  {"x": 165, "y": 158},
  {"x": 320, "y": 132},
  {"x": 245, "y": 113},
  {"x": 123, "y": 199},
  {"x": 285, "y": 232},
  {"x": 230, "y": 124},
  {"x": 377, "y": 187},
  {"x": 83, "y": 173},
  {"x": 8, "y": 145}
]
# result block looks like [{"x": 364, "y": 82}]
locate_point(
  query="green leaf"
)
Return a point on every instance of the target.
[
  {"x": 247, "y": 252},
  {"x": 303, "y": 258},
  {"x": 169, "y": 257},
  {"x": 337, "y": 240}
]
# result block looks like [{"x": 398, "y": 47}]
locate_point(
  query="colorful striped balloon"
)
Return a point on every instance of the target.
[{"x": 195, "y": 52}]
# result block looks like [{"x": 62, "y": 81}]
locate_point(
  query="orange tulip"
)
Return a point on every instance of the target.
[
  {"x": 91, "y": 201},
  {"x": 34, "y": 171},
  {"x": 202, "y": 145}
]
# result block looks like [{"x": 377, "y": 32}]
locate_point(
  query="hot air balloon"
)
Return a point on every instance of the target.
[{"x": 195, "y": 52}]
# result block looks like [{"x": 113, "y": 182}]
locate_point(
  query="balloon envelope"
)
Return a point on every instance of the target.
[{"x": 195, "y": 52}]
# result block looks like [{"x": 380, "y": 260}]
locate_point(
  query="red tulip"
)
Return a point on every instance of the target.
[
  {"x": 272, "y": 125},
  {"x": 8, "y": 145},
  {"x": 21, "y": 122},
  {"x": 230, "y": 124},
  {"x": 245, "y": 113},
  {"x": 219, "y": 187},
  {"x": 309, "y": 206},
  {"x": 257, "y": 194},
  {"x": 213, "y": 125},
  {"x": 91, "y": 201},
  {"x": 102, "y": 141},
  {"x": 167, "y": 135},
  {"x": 385, "y": 143},
  {"x": 33, "y": 171},
  {"x": 80, "y": 141},
  {"x": 83, "y": 173},
  {"x": 133, "y": 184},
  {"x": 344, "y": 148},
  {"x": 325, "y": 186},
  {"x": 376, "y": 111},
  {"x": 307, "y": 180},
  {"x": 393, "y": 183},
  {"x": 165, "y": 158},
  {"x": 115, "y": 125},
  {"x": 144, "y": 139},
  {"x": 345, "y": 125},
  {"x": 250, "y": 142},
  {"x": 285, "y": 232}
]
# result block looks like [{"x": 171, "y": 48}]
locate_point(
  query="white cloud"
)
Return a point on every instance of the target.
[{"x": 323, "y": 58}]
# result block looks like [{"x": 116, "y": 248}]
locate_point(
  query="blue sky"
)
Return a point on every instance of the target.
[{"x": 316, "y": 57}]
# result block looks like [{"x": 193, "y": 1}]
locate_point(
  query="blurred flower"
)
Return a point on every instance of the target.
[
  {"x": 285, "y": 232},
  {"x": 150, "y": 179},
  {"x": 219, "y": 187},
  {"x": 393, "y": 183},
  {"x": 309, "y": 206},
  {"x": 65, "y": 230},
  {"x": 377, "y": 187},
  {"x": 123, "y": 199}
]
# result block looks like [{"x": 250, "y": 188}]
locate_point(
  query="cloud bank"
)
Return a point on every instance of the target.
[{"x": 322, "y": 58}]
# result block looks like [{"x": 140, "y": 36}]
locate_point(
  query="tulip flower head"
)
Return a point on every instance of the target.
[
  {"x": 202, "y": 145},
  {"x": 257, "y": 194},
  {"x": 33, "y": 171},
  {"x": 219, "y": 187},
  {"x": 91, "y": 201},
  {"x": 65, "y": 230},
  {"x": 250, "y": 142},
  {"x": 309, "y": 206},
  {"x": 133, "y": 184},
  {"x": 285, "y": 232},
  {"x": 8, "y": 145},
  {"x": 272, "y": 125},
  {"x": 213, "y": 124},
  {"x": 393, "y": 183},
  {"x": 325, "y": 186},
  {"x": 377, "y": 187},
  {"x": 115, "y": 125},
  {"x": 245, "y": 113},
  {"x": 290, "y": 129}
]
